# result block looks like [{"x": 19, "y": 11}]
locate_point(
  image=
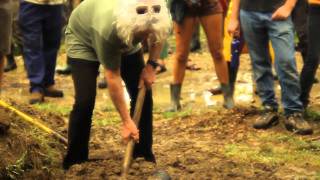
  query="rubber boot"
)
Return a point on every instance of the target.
[
  {"x": 175, "y": 91},
  {"x": 228, "y": 96}
]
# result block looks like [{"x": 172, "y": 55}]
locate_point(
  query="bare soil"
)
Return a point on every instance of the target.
[{"x": 200, "y": 142}]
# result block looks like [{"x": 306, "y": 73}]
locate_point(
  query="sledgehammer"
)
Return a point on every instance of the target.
[{"x": 136, "y": 118}]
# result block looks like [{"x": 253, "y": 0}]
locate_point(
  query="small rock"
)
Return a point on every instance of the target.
[{"x": 160, "y": 175}]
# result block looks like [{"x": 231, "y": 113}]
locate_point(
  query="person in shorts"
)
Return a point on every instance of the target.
[{"x": 185, "y": 15}]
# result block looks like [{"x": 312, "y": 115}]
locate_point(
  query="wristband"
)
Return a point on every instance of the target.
[{"x": 154, "y": 64}]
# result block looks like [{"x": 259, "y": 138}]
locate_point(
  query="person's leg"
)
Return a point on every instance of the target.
[
  {"x": 84, "y": 75},
  {"x": 51, "y": 42},
  {"x": 131, "y": 68},
  {"x": 299, "y": 18},
  {"x": 11, "y": 64},
  {"x": 282, "y": 39},
  {"x": 31, "y": 16},
  {"x": 256, "y": 36},
  {"x": 66, "y": 12},
  {"x": 5, "y": 33},
  {"x": 183, "y": 33},
  {"x": 215, "y": 42},
  {"x": 237, "y": 45},
  {"x": 312, "y": 62}
]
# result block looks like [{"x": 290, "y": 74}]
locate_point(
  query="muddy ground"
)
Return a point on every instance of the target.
[{"x": 200, "y": 142}]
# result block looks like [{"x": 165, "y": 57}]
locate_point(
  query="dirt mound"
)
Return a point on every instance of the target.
[
  {"x": 28, "y": 153},
  {"x": 213, "y": 145},
  {"x": 188, "y": 147}
]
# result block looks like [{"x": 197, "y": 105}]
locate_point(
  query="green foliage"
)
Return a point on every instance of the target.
[
  {"x": 15, "y": 170},
  {"x": 312, "y": 115}
]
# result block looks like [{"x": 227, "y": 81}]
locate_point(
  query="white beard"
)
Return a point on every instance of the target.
[{"x": 128, "y": 21}]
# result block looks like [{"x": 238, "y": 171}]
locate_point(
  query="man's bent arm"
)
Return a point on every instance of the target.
[{"x": 115, "y": 87}]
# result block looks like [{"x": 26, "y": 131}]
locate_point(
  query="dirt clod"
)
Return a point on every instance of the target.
[{"x": 4, "y": 122}]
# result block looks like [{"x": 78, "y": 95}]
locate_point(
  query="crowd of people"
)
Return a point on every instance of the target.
[{"x": 109, "y": 33}]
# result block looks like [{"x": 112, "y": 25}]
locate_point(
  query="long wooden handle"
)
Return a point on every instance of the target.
[{"x": 136, "y": 118}]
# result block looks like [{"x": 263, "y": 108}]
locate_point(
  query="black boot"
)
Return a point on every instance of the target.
[
  {"x": 175, "y": 91},
  {"x": 228, "y": 96},
  {"x": 65, "y": 70},
  {"x": 11, "y": 64}
]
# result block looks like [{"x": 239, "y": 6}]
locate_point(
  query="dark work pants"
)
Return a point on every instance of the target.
[
  {"x": 40, "y": 26},
  {"x": 312, "y": 62},
  {"x": 299, "y": 19},
  {"x": 84, "y": 74}
]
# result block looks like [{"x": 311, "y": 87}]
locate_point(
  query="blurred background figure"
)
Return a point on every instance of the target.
[
  {"x": 16, "y": 41},
  {"x": 5, "y": 32},
  {"x": 41, "y": 23},
  {"x": 313, "y": 56},
  {"x": 68, "y": 8},
  {"x": 186, "y": 15}
]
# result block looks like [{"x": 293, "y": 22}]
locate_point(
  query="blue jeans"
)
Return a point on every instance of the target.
[
  {"x": 258, "y": 30},
  {"x": 41, "y": 30}
]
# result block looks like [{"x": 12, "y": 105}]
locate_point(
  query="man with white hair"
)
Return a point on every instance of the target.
[{"x": 109, "y": 32}]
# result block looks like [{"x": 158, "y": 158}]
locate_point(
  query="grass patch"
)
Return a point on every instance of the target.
[
  {"x": 291, "y": 141},
  {"x": 47, "y": 107},
  {"x": 14, "y": 171},
  {"x": 40, "y": 153},
  {"x": 276, "y": 149},
  {"x": 312, "y": 115},
  {"x": 48, "y": 145},
  {"x": 180, "y": 114},
  {"x": 107, "y": 121}
]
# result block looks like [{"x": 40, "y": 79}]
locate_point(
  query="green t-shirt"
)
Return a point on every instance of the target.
[{"x": 91, "y": 34}]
